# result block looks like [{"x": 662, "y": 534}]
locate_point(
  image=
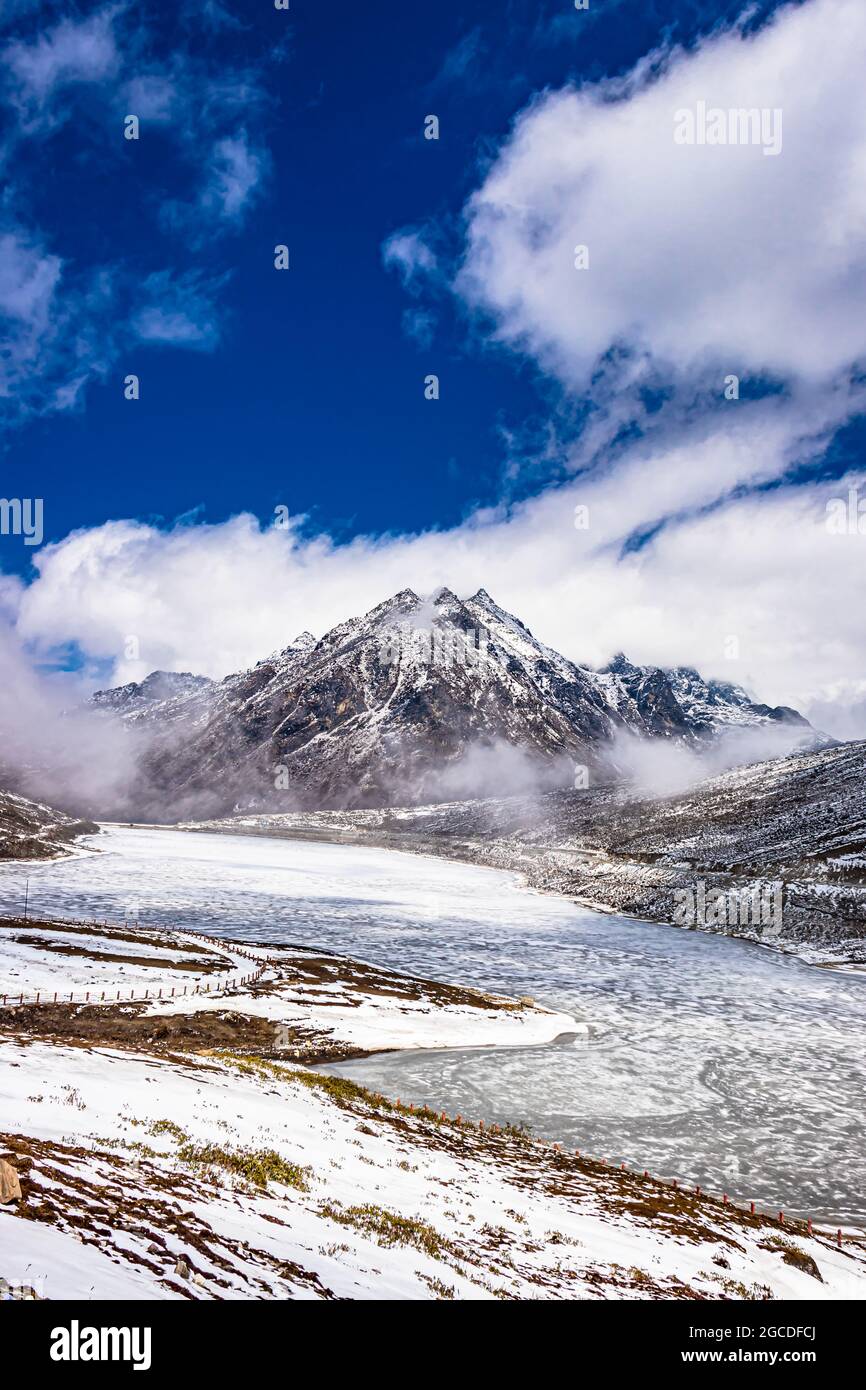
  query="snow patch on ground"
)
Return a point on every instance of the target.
[{"x": 210, "y": 1175}]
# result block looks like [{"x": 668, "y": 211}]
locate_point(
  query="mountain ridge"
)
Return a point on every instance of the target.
[{"x": 419, "y": 699}]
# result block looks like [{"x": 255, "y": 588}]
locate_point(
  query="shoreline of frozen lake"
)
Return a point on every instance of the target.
[{"x": 706, "y": 1058}]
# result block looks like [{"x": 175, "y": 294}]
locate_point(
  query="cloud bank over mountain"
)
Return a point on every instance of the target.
[{"x": 701, "y": 535}]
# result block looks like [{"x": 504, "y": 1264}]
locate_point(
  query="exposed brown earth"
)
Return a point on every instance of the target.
[
  {"x": 200, "y": 967},
  {"x": 141, "y": 936}
]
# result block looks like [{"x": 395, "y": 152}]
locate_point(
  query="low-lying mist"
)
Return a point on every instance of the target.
[
  {"x": 662, "y": 768},
  {"x": 491, "y": 769},
  {"x": 54, "y": 749}
]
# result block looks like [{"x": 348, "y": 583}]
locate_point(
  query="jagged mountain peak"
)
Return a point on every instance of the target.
[
  {"x": 158, "y": 686},
  {"x": 404, "y": 602},
  {"x": 687, "y": 672},
  {"x": 299, "y": 647},
  {"x": 619, "y": 665}
]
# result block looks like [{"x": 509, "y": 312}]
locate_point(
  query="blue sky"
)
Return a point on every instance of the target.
[{"x": 305, "y": 389}]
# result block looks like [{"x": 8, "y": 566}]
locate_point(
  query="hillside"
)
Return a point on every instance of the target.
[
  {"x": 29, "y": 830},
  {"x": 188, "y": 1148}
]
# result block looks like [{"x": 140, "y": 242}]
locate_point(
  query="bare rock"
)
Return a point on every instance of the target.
[{"x": 10, "y": 1187}]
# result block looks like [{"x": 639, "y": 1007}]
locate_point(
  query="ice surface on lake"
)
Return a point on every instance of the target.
[{"x": 709, "y": 1059}]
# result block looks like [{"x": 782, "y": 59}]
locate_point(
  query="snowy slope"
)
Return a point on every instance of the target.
[
  {"x": 30, "y": 830},
  {"x": 162, "y": 694},
  {"x": 154, "y": 1169}
]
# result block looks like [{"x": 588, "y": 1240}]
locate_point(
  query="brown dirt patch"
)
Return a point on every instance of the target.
[
  {"x": 205, "y": 966},
  {"x": 371, "y": 979},
  {"x": 137, "y": 937},
  {"x": 130, "y": 1026}
]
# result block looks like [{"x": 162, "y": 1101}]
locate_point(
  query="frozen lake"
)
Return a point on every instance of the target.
[{"x": 708, "y": 1059}]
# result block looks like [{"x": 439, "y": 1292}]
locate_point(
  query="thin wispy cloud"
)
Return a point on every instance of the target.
[
  {"x": 408, "y": 252},
  {"x": 66, "y": 318},
  {"x": 57, "y": 327},
  {"x": 462, "y": 59},
  {"x": 178, "y": 311},
  {"x": 40, "y": 71}
]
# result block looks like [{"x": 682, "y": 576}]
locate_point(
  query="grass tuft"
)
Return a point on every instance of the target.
[
  {"x": 387, "y": 1228},
  {"x": 258, "y": 1166}
]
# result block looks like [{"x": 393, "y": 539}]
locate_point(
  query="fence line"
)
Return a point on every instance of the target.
[
  {"x": 32, "y": 998},
  {"x": 793, "y": 1225}
]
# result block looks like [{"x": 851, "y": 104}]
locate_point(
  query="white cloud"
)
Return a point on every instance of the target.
[
  {"x": 417, "y": 264},
  {"x": 765, "y": 570},
  {"x": 55, "y": 324},
  {"x": 152, "y": 96},
  {"x": 462, "y": 59},
  {"x": 409, "y": 253},
  {"x": 179, "y": 310},
  {"x": 62, "y": 327},
  {"x": 28, "y": 280},
  {"x": 236, "y": 171},
  {"x": 708, "y": 258},
  {"x": 420, "y": 326},
  {"x": 73, "y": 52}
]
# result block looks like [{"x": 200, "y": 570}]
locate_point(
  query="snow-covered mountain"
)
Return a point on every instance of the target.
[
  {"x": 679, "y": 702},
  {"x": 419, "y": 699}
]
